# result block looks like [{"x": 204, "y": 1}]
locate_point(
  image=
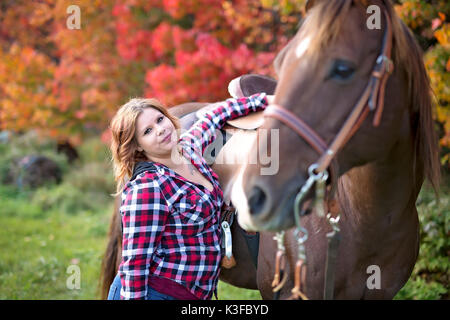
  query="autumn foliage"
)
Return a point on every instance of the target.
[{"x": 68, "y": 83}]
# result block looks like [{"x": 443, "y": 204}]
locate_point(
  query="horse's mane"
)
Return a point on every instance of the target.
[
  {"x": 426, "y": 148},
  {"x": 325, "y": 22}
]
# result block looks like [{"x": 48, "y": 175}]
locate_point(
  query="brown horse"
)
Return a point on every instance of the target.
[{"x": 380, "y": 168}]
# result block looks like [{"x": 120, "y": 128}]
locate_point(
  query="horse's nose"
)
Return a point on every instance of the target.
[{"x": 257, "y": 200}]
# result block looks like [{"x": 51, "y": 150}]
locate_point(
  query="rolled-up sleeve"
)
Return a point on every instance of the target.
[
  {"x": 203, "y": 132},
  {"x": 144, "y": 214}
]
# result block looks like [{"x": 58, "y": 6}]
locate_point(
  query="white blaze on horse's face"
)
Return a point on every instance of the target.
[
  {"x": 302, "y": 46},
  {"x": 240, "y": 202}
]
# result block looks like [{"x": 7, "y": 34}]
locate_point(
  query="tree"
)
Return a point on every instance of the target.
[
  {"x": 429, "y": 22},
  {"x": 68, "y": 83}
]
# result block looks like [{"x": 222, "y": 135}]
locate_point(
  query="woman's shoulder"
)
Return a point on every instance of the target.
[
  {"x": 145, "y": 174},
  {"x": 143, "y": 167}
]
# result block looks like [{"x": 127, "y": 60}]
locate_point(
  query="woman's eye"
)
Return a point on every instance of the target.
[
  {"x": 147, "y": 131},
  {"x": 160, "y": 119}
]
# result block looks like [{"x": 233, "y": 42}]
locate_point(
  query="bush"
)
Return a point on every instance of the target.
[
  {"x": 87, "y": 184},
  {"x": 18, "y": 146},
  {"x": 94, "y": 150},
  {"x": 430, "y": 278},
  {"x": 67, "y": 199},
  {"x": 92, "y": 177},
  {"x": 88, "y": 187}
]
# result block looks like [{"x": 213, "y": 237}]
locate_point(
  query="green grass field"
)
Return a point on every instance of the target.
[
  {"x": 38, "y": 248},
  {"x": 46, "y": 231}
]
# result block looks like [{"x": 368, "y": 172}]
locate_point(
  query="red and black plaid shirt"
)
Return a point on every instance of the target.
[{"x": 171, "y": 225}]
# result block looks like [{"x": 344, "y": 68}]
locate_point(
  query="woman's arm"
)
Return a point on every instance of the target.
[
  {"x": 203, "y": 132},
  {"x": 144, "y": 215}
]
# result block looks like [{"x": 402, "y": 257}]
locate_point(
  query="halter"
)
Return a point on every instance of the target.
[{"x": 371, "y": 99}]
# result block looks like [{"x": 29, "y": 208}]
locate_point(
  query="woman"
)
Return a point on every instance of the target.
[{"x": 171, "y": 203}]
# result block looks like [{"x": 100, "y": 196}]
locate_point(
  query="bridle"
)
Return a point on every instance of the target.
[{"x": 371, "y": 99}]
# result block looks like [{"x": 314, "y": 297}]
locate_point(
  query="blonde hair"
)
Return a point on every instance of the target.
[{"x": 124, "y": 146}]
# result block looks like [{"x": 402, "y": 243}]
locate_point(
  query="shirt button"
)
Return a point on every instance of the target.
[{"x": 161, "y": 170}]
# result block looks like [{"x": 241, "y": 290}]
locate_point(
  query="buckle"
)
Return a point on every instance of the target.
[
  {"x": 228, "y": 242},
  {"x": 388, "y": 63}
]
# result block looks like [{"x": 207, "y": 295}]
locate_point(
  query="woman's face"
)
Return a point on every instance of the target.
[{"x": 155, "y": 133}]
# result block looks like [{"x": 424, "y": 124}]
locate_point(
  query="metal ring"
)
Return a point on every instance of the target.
[
  {"x": 311, "y": 172},
  {"x": 317, "y": 176},
  {"x": 304, "y": 237},
  {"x": 334, "y": 222}
]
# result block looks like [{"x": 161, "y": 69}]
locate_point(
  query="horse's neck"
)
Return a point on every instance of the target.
[{"x": 383, "y": 191}]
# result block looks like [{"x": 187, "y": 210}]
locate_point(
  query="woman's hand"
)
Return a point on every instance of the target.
[{"x": 270, "y": 98}]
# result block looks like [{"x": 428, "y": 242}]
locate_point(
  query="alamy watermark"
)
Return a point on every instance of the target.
[
  {"x": 73, "y": 281},
  {"x": 374, "y": 280},
  {"x": 262, "y": 148},
  {"x": 73, "y": 21},
  {"x": 374, "y": 20}
]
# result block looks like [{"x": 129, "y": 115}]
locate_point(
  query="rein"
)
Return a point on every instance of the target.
[{"x": 371, "y": 99}]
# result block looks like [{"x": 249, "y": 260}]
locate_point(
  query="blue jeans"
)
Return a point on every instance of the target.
[{"x": 114, "y": 292}]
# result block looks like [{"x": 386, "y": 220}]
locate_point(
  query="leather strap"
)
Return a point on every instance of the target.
[
  {"x": 297, "y": 125},
  {"x": 334, "y": 238}
]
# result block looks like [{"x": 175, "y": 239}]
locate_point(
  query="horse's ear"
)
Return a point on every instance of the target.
[
  {"x": 309, "y": 4},
  {"x": 364, "y": 3}
]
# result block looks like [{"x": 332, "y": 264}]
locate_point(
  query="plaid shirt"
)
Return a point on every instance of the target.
[{"x": 170, "y": 225}]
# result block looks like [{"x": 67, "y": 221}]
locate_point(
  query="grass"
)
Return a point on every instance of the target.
[
  {"x": 50, "y": 229},
  {"x": 38, "y": 248},
  {"x": 57, "y": 226},
  {"x": 228, "y": 292}
]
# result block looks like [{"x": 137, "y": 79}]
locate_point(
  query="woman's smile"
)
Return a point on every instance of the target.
[{"x": 167, "y": 138}]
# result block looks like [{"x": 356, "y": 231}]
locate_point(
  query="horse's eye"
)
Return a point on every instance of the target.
[{"x": 342, "y": 70}]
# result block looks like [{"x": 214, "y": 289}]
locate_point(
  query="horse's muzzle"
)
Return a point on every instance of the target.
[
  {"x": 257, "y": 201},
  {"x": 274, "y": 214}
]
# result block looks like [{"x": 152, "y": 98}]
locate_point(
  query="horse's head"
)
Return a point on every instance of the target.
[{"x": 324, "y": 74}]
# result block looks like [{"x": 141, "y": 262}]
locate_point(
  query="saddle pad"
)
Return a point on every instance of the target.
[{"x": 250, "y": 122}]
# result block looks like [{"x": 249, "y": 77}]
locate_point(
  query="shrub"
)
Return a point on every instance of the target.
[
  {"x": 88, "y": 187},
  {"x": 21, "y": 145},
  {"x": 94, "y": 150},
  {"x": 430, "y": 278}
]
